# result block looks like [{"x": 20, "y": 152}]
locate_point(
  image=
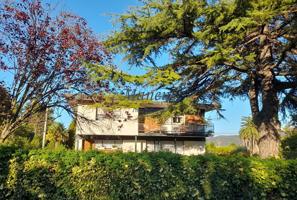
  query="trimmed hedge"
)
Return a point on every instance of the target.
[{"x": 94, "y": 175}]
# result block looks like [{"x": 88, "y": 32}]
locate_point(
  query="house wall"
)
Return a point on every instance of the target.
[
  {"x": 123, "y": 126},
  {"x": 78, "y": 143},
  {"x": 104, "y": 126},
  {"x": 181, "y": 147},
  {"x": 170, "y": 126}
]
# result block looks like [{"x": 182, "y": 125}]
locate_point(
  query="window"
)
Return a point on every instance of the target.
[
  {"x": 103, "y": 114},
  {"x": 99, "y": 115},
  {"x": 176, "y": 120},
  {"x": 108, "y": 144}
]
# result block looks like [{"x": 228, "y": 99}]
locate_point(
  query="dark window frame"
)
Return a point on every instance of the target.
[{"x": 176, "y": 120}]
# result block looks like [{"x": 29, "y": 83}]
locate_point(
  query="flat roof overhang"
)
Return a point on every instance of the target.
[{"x": 143, "y": 137}]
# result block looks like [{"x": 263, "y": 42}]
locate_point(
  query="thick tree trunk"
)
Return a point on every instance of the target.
[
  {"x": 266, "y": 119},
  {"x": 269, "y": 140}
]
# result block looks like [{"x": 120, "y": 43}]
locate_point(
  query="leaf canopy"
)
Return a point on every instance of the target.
[{"x": 218, "y": 48}]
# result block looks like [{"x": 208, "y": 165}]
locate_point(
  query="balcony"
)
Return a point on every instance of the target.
[{"x": 178, "y": 129}]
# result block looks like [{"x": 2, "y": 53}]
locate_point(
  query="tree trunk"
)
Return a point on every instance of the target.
[
  {"x": 266, "y": 119},
  {"x": 255, "y": 147},
  {"x": 5, "y": 132},
  {"x": 269, "y": 140}
]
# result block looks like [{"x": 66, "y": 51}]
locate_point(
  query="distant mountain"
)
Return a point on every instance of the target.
[{"x": 224, "y": 140}]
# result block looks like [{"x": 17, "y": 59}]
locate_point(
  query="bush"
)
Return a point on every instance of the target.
[
  {"x": 231, "y": 149},
  {"x": 6, "y": 153},
  {"x": 289, "y": 146},
  {"x": 43, "y": 174}
]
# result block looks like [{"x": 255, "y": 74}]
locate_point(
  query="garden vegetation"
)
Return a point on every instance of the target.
[{"x": 42, "y": 174}]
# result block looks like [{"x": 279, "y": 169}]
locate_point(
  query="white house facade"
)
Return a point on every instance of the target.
[{"x": 132, "y": 130}]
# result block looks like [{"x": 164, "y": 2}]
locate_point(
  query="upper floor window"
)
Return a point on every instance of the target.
[
  {"x": 176, "y": 120},
  {"x": 99, "y": 115}
]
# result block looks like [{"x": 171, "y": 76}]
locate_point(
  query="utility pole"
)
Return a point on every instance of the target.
[{"x": 44, "y": 128}]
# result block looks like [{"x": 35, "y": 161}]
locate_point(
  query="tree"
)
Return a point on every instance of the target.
[
  {"x": 71, "y": 135},
  {"x": 56, "y": 135},
  {"x": 294, "y": 120},
  {"x": 5, "y": 103},
  {"x": 250, "y": 135},
  {"x": 45, "y": 56},
  {"x": 29, "y": 134},
  {"x": 220, "y": 49}
]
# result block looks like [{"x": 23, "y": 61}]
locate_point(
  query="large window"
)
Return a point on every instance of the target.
[{"x": 109, "y": 144}]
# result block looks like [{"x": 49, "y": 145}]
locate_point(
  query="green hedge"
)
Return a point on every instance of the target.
[
  {"x": 231, "y": 149},
  {"x": 289, "y": 147},
  {"x": 93, "y": 175}
]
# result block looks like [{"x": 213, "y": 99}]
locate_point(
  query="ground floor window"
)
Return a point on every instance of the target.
[
  {"x": 174, "y": 146},
  {"x": 108, "y": 144}
]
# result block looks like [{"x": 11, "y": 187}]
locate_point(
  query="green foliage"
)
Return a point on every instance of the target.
[
  {"x": 42, "y": 174},
  {"x": 219, "y": 49},
  {"x": 248, "y": 129},
  {"x": 56, "y": 135},
  {"x": 186, "y": 106},
  {"x": 112, "y": 102},
  {"x": 5, "y": 104},
  {"x": 153, "y": 77},
  {"x": 6, "y": 154},
  {"x": 25, "y": 138},
  {"x": 231, "y": 149},
  {"x": 289, "y": 144},
  {"x": 71, "y": 135},
  {"x": 249, "y": 134},
  {"x": 29, "y": 134}
]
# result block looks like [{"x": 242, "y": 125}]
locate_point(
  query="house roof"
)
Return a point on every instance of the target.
[{"x": 83, "y": 99}]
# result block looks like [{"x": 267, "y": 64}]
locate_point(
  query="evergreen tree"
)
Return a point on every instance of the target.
[
  {"x": 220, "y": 49},
  {"x": 5, "y": 103},
  {"x": 71, "y": 134},
  {"x": 56, "y": 135}
]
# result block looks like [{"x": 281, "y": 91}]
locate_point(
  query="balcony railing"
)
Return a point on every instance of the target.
[{"x": 177, "y": 129}]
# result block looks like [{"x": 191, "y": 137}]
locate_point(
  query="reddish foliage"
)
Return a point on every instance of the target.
[
  {"x": 42, "y": 45},
  {"x": 22, "y": 16},
  {"x": 45, "y": 53}
]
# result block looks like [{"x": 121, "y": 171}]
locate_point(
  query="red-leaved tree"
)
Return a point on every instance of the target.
[{"x": 44, "y": 54}]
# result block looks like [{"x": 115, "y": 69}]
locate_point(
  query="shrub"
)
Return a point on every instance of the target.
[
  {"x": 231, "y": 149},
  {"x": 7, "y": 152},
  {"x": 43, "y": 174},
  {"x": 289, "y": 146}
]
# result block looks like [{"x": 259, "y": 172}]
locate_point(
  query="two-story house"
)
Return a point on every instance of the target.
[{"x": 129, "y": 129}]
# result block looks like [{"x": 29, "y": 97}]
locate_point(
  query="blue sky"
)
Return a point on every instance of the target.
[{"x": 98, "y": 15}]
